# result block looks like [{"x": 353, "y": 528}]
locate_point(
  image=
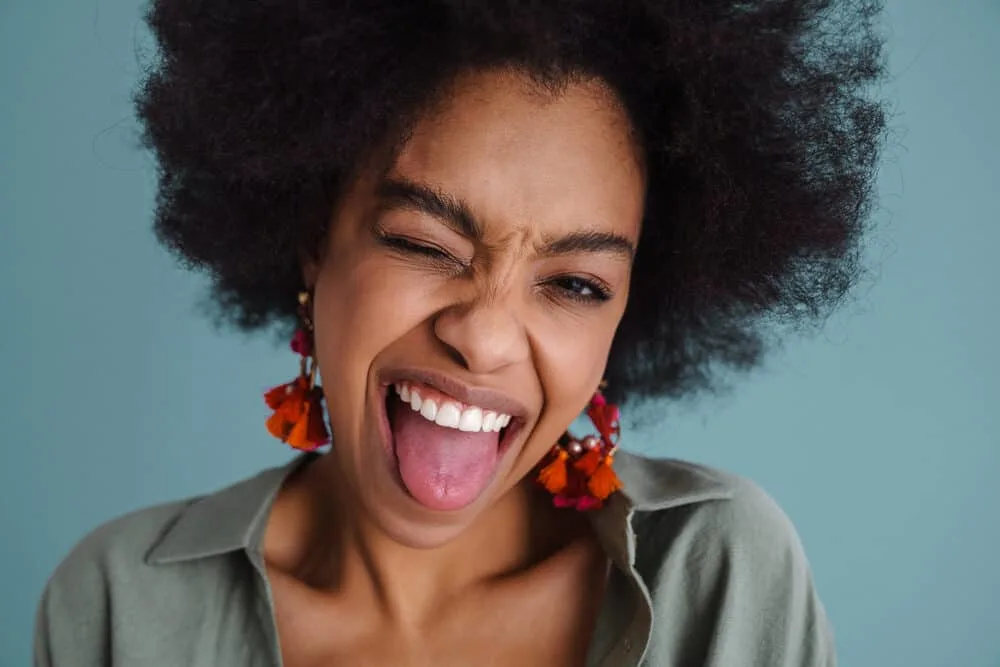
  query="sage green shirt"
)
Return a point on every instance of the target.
[{"x": 708, "y": 572}]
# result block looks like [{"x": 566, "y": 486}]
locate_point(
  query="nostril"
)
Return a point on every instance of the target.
[{"x": 456, "y": 356}]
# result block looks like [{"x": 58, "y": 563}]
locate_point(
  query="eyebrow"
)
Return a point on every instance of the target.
[
  {"x": 398, "y": 192},
  {"x": 590, "y": 241},
  {"x": 402, "y": 193}
]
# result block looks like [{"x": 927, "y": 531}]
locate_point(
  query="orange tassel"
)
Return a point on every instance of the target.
[
  {"x": 554, "y": 476},
  {"x": 298, "y": 415},
  {"x": 285, "y": 417},
  {"x": 585, "y": 479},
  {"x": 278, "y": 426},
  {"x": 286, "y": 400},
  {"x": 603, "y": 481}
]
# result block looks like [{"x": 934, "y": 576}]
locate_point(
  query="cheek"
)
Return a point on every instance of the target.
[
  {"x": 361, "y": 308},
  {"x": 569, "y": 360}
]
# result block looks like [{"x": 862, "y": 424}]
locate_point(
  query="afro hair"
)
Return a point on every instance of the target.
[{"x": 757, "y": 122}]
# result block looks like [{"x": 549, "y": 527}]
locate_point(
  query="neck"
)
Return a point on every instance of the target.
[{"x": 320, "y": 534}]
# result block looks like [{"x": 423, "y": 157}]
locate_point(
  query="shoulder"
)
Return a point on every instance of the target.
[
  {"x": 81, "y": 598},
  {"x": 138, "y": 585},
  {"x": 123, "y": 542},
  {"x": 114, "y": 551},
  {"x": 717, "y": 509},
  {"x": 726, "y": 564},
  {"x": 679, "y": 500}
]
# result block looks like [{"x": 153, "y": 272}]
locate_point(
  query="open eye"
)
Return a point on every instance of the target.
[{"x": 587, "y": 290}]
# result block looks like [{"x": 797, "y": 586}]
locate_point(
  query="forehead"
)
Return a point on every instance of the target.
[{"x": 521, "y": 157}]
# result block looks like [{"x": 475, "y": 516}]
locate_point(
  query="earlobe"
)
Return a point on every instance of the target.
[{"x": 310, "y": 272}]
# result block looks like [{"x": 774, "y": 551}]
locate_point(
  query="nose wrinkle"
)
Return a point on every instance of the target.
[
  {"x": 486, "y": 334},
  {"x": 482, "y": 330}
]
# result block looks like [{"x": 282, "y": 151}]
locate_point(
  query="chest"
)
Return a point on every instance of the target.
[
  {"x": 477, "y": 646},
  {"x": 539, "y": 620}
]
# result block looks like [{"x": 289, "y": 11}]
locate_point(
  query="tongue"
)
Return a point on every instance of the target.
[{"x": 443, "y": 468}]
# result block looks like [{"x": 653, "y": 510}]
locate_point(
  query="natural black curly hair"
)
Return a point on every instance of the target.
[{"x": 756, "y": 120}]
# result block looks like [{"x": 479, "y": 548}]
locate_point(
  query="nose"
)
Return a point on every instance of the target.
[{"x": 484, "y": 336}]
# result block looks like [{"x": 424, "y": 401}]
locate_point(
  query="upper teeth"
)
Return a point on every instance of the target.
[{"x": 450, "y": 413}]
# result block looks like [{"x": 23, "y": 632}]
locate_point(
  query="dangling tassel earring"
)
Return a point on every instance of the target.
[
  {"x": 298, "y": 405},
  {"x": 579, "y": 473}
]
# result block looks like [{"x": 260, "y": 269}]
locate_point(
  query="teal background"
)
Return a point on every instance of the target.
[{"x": 880, "y": 437}]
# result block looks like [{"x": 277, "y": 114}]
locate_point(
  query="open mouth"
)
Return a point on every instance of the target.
[
  {"x": 445, "y": 411},
  {"x": 446, "y": 451}
]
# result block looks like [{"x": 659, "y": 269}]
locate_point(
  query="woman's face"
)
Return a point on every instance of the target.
[{"x": 482, "y": 275}]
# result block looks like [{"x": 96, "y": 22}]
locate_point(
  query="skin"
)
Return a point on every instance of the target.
[{"x": 400, "y": 286}]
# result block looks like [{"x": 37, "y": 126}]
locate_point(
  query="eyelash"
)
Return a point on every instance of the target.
[
  {"x": 599, "y": 293},
  {"x": 405, "y": 245},
  {"x": 571, "y": 287}
]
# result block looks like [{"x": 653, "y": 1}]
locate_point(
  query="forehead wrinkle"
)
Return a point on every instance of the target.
[
  {"x": 494, "y": 281},
  {"x": 517, "y": 239},
  {"x": 499, "y": 264}
]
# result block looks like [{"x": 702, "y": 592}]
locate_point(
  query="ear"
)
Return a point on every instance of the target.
[{"x": 310, "y": 272}]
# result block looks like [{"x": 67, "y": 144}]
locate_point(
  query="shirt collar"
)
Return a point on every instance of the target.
[
  {"x": 234, "y": 518},
  {"x": 228, "y": 520}
]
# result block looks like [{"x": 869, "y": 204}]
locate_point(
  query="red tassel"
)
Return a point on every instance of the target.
[
  {"x": 284, "y": 393},
  {"x": 588, "y": 463},
  {"x": 605, "y": 417}
]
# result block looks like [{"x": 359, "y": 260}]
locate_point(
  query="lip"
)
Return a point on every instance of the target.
[{"x": 483, "y": 397}]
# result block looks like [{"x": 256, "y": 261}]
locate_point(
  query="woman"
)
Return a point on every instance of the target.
[{"x": 476, "y": 215}]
